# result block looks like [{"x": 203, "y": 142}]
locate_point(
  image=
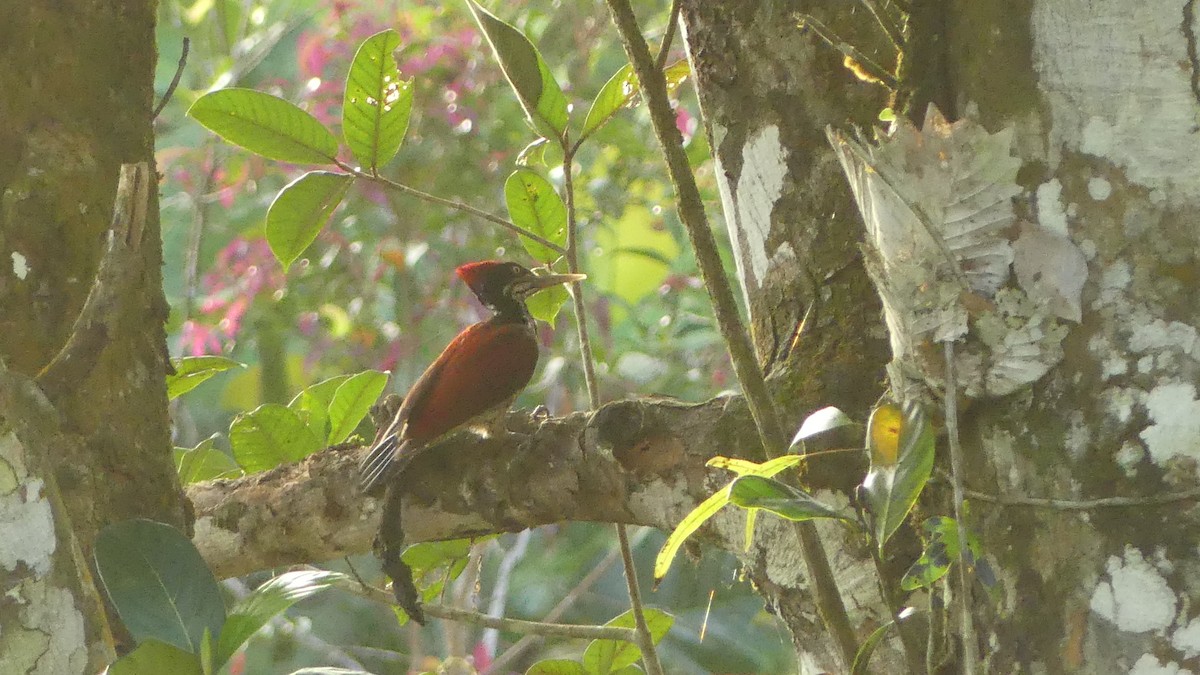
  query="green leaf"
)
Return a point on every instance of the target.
[
  {"x": 154, "y": 657},
  {"x": 377, "y": 103},
  {"x": 756, "y": 492},
  {"x": 352, "y": 401},
  {"x": 313, "y": 402},
  {"x": 300, "y": 210},
  {"x": 271, "y": 435},
  {"x": 431, "y": 554},
  {"x": 266, "y": 125},
  {"x": 273, "y": 597},
  {"x": 617, "y": 93},
  {"x": 709, "y": 507},
  {"x": 530, "y": 77},
  {"x": 821, "y": 421},
  {"x": 546, "y": 305},
  {"x": 159, "y": 583},
  {"x": 901, "y": 446},
  {"x": 204, "y": 462},
  {"x": 941, "y": 551},
  {"x": 604, "y": 657},
  {"x": 556, "y": 667},
  {"x": 190, "y": 371},
  {"x": 863, "y": 658},
  {"x": 535, "y": 205}
]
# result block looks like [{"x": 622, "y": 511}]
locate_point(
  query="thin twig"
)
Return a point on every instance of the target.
[
  {"x": 889, "y": 30},
  {"x": 450, "y": 203},
  {"x": 568, "y": 600},
  {"x": 645, "y": 641},
  {"x": 664, "y": 48},
  {"x": 957, "y": 469},
  {"x": 885, "y": 77},
  {"x": 1062, "y": 504},
  {"x": 174, "y": 80},
  {"x": 533, "y": 627},
  {"x": 737, "y": 341},
  {"x": 508, "y": 562}
]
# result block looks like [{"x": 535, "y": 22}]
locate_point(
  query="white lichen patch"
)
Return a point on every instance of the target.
[
  {"x": 51, "y": 613},
  {"x": 1149, "y": 664},
  {"x": 26, "y": 517},
  {"x": 1134, "y": 597},
  {"x": 1050, "y": 210},
  {"x": 1187, "y": 639},
  {"x": 1174, "y": 428},
  {"x": 751, "y": 201},
  {"x": 20, "y": 266},
  {"x": 1147, "y": 129},
  {"x": 1159, "y": 335},
  {"x": 1099, "y": 189}
]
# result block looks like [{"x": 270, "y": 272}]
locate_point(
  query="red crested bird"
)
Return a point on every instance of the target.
[{"x": 475, "y": 378}]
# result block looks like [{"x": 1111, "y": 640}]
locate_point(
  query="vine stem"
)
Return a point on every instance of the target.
[
  {"x": 965, "y": 578},
  {"x": 691, "y": 213},
  {"x": 645, "y": 640},
  {"x": 448, "y": 203}
]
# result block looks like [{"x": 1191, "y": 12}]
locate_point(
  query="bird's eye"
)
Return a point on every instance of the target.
[{"x": 515, "y": 268}]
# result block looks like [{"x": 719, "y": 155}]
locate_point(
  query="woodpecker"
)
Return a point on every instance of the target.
[{"x": 475, "y": 379}]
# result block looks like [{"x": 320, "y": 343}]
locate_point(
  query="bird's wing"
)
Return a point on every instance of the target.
[{"x": 483, "y": 367}]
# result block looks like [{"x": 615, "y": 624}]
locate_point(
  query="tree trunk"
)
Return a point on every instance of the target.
[
  {"x": 88, "y": 443},
  {"x": 1103, "y": 100}
]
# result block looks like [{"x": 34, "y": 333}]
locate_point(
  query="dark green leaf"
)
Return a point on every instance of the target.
[
  {"x": 204, "y": 462},
  {"x": 604, "y": 657},
  {"x": 352, "y": 401},
  {"x": 617, "y": 93},
  {"x": 300, "y": 210},
  {"x": 862, "y": 659},
  {"x": 190, "y": 371},
  {"x": 159, "y": 583},
  {"x": 153, "y": 657},
  {"x": 314, "y": 402},
  {"x": 527, "y": 72},
  {"x": 942, "y": 550},
  {"x": 821, "y": 421},
  {"x": 892, "y": 487},
  {"x": 535, "y": 205},
  {"x": 266, "y": 125},
  {"x": 273, "y": 597},
  {"x": 757, "y": 492},
  {"x": 556, "y": 667},
  {"x": 271, "y": 435},
  {"x": 377, "y": 103}
]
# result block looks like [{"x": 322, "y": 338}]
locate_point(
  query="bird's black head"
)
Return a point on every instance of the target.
[{"x": 504, "y": 286}]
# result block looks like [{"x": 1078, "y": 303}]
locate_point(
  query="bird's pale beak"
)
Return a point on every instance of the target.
[{"x": 532, "y": 283}]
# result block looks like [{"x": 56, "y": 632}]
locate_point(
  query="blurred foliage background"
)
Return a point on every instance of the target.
[{"x": 377, "y": 290}]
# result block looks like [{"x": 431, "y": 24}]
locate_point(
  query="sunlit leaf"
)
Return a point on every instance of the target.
[
  {"x": 535, "y": 205},
  {"x": 266, "y": 125},
  {"x": 271, "y": 435},
  {"x": 300, "y": 210},
  {"x": 158, "y": 582},
  {"x": 617, "y": 93},
  {"x": 154, "y": 657},
  {"x": 260, "y": 606},
  {"x": 313, "y": 402},
  {"x": 377, "y": 103},
  {"x": 204, "y": 462},
  {"x": 781, "y": 499},
  {"x": 547, "y": 303},
  {"x": 940, "y": 552},
  {"x": 604, "y": 657},
  {"x": 556, "y": 667},
  {"x": 352, "y": 401},
  {"x": 710, "y": 506},
  {"x": 822, "y": 421},
  {"x": 190, "y": 371},
  {"x": 527, "y": 72},
  {"x": 862, "y": 659},
  {"x": 901, "y": 446}
]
